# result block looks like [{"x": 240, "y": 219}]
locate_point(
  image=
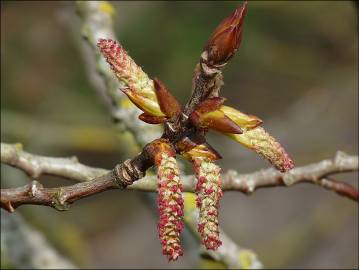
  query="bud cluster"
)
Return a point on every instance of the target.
[
  {"x": 185, "y": 130},
  {"x": 209, "y": 192}
]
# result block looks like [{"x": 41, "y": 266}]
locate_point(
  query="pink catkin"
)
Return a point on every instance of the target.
[
  {"x": 266, "y": 146},
  {"x": 209, "y": 192},
  {"x": 170, "y": 204},
  {"x": 123, "y": 65},
  {"x": 259, "y": 140}
]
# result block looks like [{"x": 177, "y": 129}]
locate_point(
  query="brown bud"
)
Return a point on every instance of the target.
[
  {"x": 150, "y": 119},
  {"x": 226, "y": 38},
  {"x": 168, "y": 103}
]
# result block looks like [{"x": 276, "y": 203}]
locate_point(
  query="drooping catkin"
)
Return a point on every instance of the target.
[
  {"x": 209, "y": 192},
  {"x": 170, "y": 203}
]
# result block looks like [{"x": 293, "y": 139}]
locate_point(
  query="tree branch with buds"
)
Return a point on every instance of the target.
[
  {"x": 70, "y": 168},
  {"x": 319, "y": 173},
  {"x": 97, "y": 21},
  {"x": 185, "y": 130}
]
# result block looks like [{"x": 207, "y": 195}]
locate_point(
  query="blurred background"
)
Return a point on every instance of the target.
[{"x": 296, "y": 69}]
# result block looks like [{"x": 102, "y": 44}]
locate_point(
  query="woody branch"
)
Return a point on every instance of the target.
[
  {"x": 121, "y": 176},
  {"x": 95, "y": 180},
  {"x": 206, "y": 84}
]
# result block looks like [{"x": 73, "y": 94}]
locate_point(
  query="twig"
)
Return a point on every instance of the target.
[
  {"x": 122, "y": 175},
  {"x": 229, "y": 252},
  {"x": 34, "y": 166},
  {"x": 315, "y": 173},
  {"x": 207, "y": 82},
  {"x": 26, "y": 248}
]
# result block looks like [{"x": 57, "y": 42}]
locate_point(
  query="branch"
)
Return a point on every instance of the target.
[
  {"x": 316, "y": 173},
  {"x": 26, "y": 248},
  {"x": 34, "y": 166},
  {"x": 122, "y": 175}
]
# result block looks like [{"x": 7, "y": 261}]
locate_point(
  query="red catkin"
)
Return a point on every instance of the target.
[
  {"x": 170, "y": 204},
  {"x": 209, "y": 192}
]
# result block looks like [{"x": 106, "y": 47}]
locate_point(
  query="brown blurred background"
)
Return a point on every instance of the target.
[{"x": 296, "y": 69}]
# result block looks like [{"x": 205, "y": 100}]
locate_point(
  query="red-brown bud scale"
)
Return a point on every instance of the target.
[{"x": 226, "y": 38}]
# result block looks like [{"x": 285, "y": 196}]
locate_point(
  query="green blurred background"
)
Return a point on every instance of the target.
[{"x": 296, "y": 69}]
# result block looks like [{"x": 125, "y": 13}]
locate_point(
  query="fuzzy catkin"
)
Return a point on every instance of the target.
[
  {"x": 209, "y": 192},
  {"x": 170, "y": 203},
  {"x": 265, "y": 145},
  {"x": 125, "y": 68}
]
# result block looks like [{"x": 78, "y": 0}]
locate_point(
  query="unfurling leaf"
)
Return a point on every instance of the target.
[
  {"x": 246, "y": 122},
  {"x": 204, "y": 151},
  {"x": 150, "y": 119},
  {"x": 168, "y": 103},
  {"x": 226, "y": 38},
  {"x": 264, "y": 144}
]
